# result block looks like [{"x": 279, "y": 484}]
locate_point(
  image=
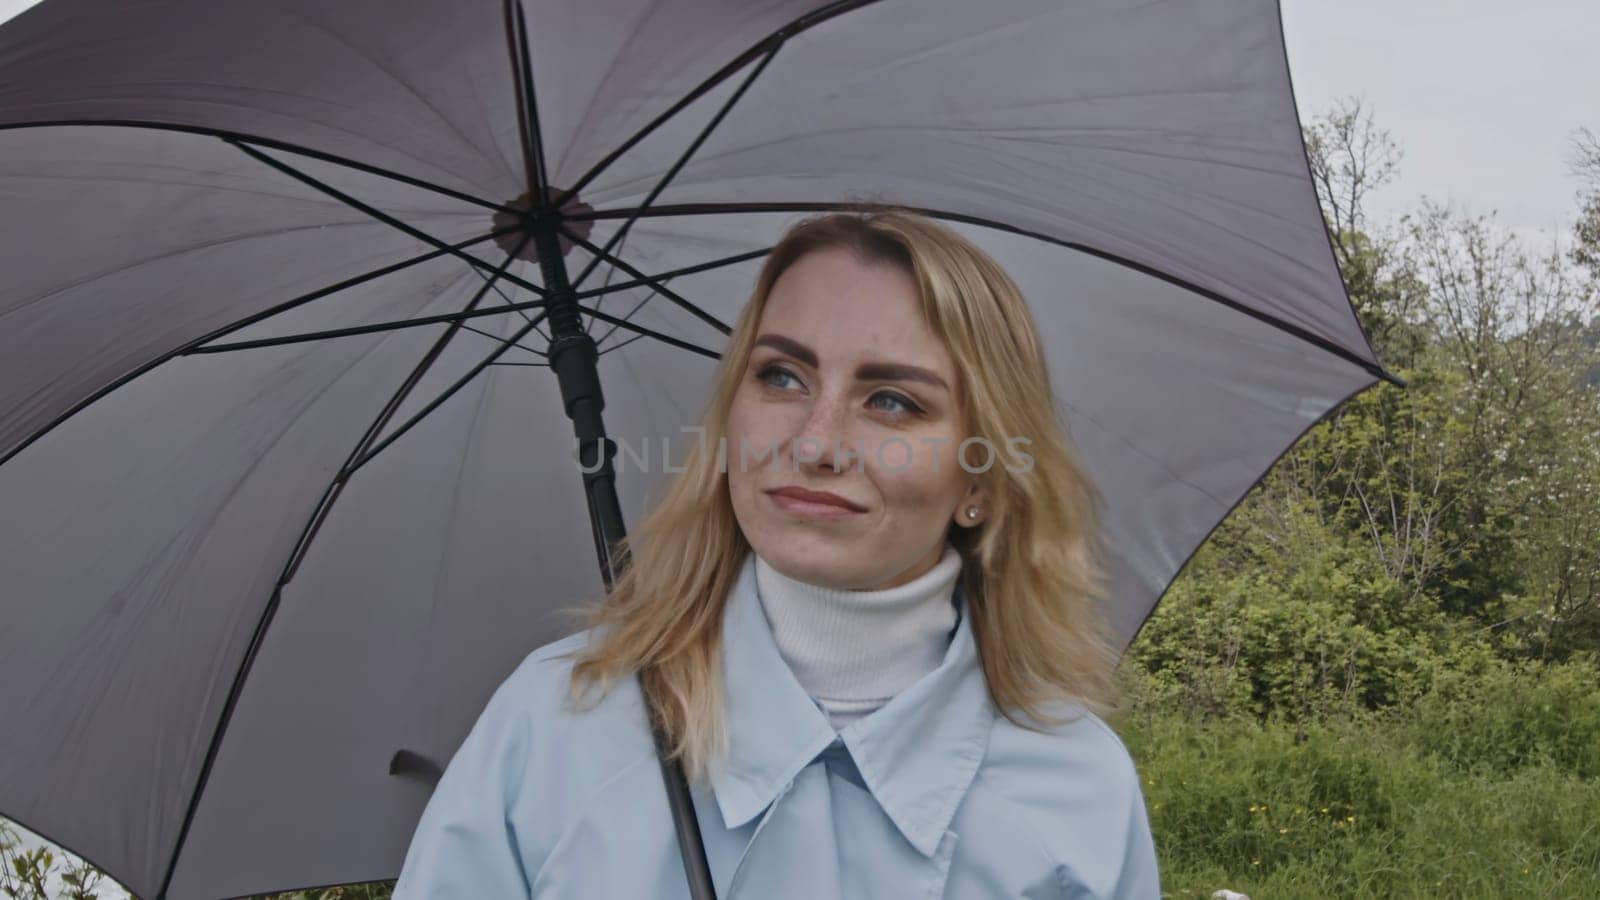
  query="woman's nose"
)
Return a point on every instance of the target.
[{"x": 823, "y": 438}]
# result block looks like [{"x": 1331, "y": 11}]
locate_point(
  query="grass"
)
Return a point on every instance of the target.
[{"x": 1359, "y": 808}]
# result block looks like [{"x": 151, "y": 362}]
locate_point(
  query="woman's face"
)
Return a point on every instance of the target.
[{"x": 846, "y": 374}]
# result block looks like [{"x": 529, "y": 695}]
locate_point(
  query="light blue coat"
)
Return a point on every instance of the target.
[{"x": 933, "y": 795}]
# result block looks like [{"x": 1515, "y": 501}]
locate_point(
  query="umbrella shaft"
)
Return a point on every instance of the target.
[{"x": 573, "y": 357}]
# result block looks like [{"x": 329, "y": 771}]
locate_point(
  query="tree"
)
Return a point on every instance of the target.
[
  {"x": 1350, "y": 157},
  {"x": 42, "y": 873},
  {"x": 1586, "y": 233},
  {"x": 1418, "y": 526}
]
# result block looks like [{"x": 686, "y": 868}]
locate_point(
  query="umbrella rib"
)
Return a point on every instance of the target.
[
  {"x": 313, "y": 525},
  {"x": 654, "y": 283},
  {"x": 456, "y": 317},
  {"x": 350, "y": 469},
  {"x": 527, "y": 103},
  {"x": 511, "y": 306},
  {"x": 381, "y": 216},
  {"x": 647, "y": 332},
  {"x": 683, "y": 159},
  {"x": 629, "y": 316},
  {"x": 411, "y": 381},
  {"x": 230, "y": 328},
  {"x": 620, "y": 345},
  {"x": 663, "y": 277},
  {"x": 496, "y": 337},
  {"x": 530, "y": 168},
  {"x": 296, "y": 149},
  {"x": 605, "y": 285},
  {"x": 674, "y": 273},
  {"x": 766, "y": 44},
  {"x": 700, "y": 209},
  {"x": 506, "y": 343}
]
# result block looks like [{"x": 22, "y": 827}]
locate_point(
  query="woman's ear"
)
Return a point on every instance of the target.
[{"x": 971, "y": 511}]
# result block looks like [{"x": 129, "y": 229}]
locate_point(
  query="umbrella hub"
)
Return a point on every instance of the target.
[{"x": 531, "y": 215}]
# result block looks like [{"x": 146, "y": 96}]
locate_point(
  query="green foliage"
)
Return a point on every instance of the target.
[
  {"x": 1511, "y": 715},
  {"x": 1484, "y": 784},
  {"x": 1381, "y": 675},
  {"x": 1415, "y": 531},
  {"x": 1282, "y": 615},
  {"x": 31, "y": 874},
  {"x": 1586, "y": 232},
  {"x": 375, "y": 890}
]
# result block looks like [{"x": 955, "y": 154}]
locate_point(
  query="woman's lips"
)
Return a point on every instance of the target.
[{"x": 810, "y": 505}]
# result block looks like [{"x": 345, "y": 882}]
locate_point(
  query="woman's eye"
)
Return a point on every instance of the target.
[
  {"x": 767, "y": 373},
  {"x": 898, "y": 404},
  {"x": 906, "y": 406}
]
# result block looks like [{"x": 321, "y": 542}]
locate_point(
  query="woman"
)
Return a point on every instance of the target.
[{"x": 864, "y": 613}]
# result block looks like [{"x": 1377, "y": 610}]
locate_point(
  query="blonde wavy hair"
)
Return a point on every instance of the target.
[{"x": 1032, "y": 571}]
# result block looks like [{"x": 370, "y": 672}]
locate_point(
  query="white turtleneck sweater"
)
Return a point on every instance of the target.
[{"x": 854, "y": 650}]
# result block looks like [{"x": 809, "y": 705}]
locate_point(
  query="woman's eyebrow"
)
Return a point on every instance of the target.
[
  {"x": 871, "y": 371},
  {"x": 898, "y": 372}
]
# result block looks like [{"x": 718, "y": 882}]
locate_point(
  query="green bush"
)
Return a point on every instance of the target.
[
  {"x": 1301, "y": 648},
  {"x": 1510, "y": 715}
]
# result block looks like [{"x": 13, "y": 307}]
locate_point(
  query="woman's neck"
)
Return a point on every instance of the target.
[{"x": 854, "y": 650}]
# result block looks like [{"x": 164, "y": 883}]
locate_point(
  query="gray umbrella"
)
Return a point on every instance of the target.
[{"x": 269, "y": 541}]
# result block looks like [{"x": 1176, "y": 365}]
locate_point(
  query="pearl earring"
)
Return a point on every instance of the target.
[{"x": 972, "y": 512}]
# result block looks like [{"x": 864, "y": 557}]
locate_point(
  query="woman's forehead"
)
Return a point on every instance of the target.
[{"x": 844, "y": 309}]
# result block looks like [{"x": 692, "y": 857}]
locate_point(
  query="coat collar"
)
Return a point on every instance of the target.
[{"x": 917, "y": 753}]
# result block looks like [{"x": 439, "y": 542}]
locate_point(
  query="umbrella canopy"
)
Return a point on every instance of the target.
[{"x": 238, "y": 579}]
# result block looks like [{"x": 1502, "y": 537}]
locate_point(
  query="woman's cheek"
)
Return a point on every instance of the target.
[
  {"x": 907, "y": 479},
  {"x": 928, "y": 458},
  {"x": 893, "y": 456}
]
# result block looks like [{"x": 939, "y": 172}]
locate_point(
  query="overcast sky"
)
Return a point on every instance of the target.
[{"x": 1483, "y": 95}]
